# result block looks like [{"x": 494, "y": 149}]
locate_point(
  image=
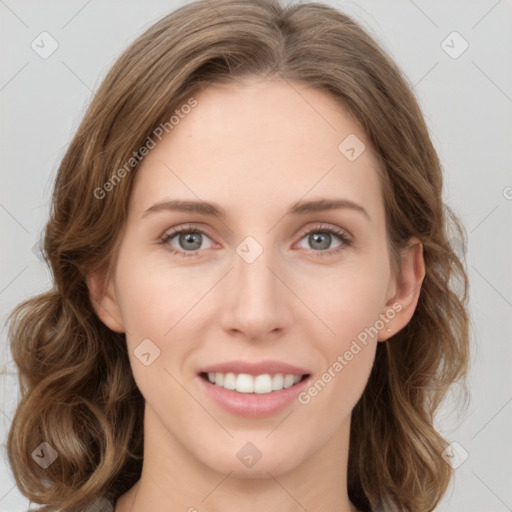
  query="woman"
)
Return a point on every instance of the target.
[{"x": 294, "y": 355}]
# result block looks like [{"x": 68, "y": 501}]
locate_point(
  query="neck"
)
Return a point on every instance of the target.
[{"x": 173, "y": 480}]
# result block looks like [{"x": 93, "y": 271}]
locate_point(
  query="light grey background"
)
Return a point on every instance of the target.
[{"x": 467, "y": 102}]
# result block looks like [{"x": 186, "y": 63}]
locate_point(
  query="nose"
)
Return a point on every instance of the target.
[{"x": 257, "y": 304}]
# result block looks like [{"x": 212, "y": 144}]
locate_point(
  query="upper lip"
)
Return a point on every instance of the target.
[{"x": 254, "y": 368}]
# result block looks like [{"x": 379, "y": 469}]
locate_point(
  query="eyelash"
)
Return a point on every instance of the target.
[{"x": 345, "y": 240}]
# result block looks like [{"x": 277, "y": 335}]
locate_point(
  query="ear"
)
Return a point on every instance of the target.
[
  {"x": 405, "y": 289},
  {"x": 104, "y": 300}
]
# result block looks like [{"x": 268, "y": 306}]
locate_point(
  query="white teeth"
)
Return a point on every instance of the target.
[
  {"x": 244, "y": 383},
  {"x": 261, "y": 384},
  {"x": 229, "y": 381},
  {"x": 277, "y": 382},
  {"x": 288, "y": 380}
]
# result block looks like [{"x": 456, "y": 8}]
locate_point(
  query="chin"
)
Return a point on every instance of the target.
[{"x": 254, "y": 460}]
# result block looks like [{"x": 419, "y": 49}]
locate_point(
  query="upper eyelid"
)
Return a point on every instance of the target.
[{"x": 191, "y": 227}]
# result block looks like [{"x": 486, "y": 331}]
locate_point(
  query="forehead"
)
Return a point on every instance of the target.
[{"x": 259, "y": 144}]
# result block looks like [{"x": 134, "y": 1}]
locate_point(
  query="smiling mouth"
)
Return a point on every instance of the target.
[{"x": 257, "y": 384}]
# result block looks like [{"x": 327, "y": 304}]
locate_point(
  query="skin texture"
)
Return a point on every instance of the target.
[{"x": 254, "y": 149}]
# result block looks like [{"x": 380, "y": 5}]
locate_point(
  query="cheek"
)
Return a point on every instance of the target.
[
  {"x": 346, "y": 356},
  {"x": 350, "y": 305},
  {"x": 351, "y": 300},
  {"x": 154, "y": 293},
  {"x": 156, "y": 303}
]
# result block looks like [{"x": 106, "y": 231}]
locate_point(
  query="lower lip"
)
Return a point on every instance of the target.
[{"x": 253, "y": 405}]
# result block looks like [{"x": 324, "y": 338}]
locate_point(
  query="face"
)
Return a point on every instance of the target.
[{"x": 270, "y": 287}]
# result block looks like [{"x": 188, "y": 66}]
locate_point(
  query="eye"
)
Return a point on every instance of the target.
[
  {"x": 321, "y": 237},
  {"x": 190, "y": 238}
]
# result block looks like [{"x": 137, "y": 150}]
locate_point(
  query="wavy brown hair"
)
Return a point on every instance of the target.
[{"x": 78, "y": 392}]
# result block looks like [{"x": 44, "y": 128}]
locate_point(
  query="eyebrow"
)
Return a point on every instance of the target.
[{"x": 215, "y": 210}]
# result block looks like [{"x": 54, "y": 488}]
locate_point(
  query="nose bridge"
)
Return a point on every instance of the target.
[{"x": 256, "y": 304}]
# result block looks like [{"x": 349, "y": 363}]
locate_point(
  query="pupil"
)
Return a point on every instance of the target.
[
  {"x": 325, "y": 237},
  {"x": 192, "y": 238}
]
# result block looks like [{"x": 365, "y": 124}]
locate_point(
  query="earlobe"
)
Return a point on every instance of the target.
[
  {"x": 407, "y": 287},
  {"x": 104, "y": 301}
]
